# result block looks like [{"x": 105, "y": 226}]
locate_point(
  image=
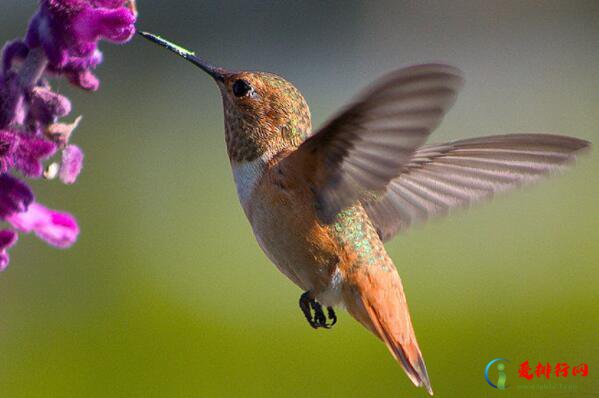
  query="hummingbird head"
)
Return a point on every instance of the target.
[{"x": 264, "y": 113}]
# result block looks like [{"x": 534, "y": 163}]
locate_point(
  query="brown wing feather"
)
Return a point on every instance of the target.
[
  {"x": 439, "y": 178},
  {"x": 367, "y": 144}
]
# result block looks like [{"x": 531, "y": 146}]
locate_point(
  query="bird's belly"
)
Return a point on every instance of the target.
[{"x": 292, "y": 239}]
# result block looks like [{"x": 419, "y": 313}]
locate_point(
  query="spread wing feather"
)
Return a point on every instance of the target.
[
  {"x": 366, "y": 145},
  {"x": 439, "y": 178},
  {"x": 373, "y": 152}
]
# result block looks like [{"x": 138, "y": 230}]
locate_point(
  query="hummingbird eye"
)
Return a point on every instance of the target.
[{"x": 241, "y": 88}]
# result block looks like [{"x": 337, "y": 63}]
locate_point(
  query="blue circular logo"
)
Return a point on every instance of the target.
[{"x": 501, "y": 377}]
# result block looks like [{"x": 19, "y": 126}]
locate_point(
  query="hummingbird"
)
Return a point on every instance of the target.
[{"x": 322, "y": 203}]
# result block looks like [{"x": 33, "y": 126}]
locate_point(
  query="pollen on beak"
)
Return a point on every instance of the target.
[{"x": 216, "y": 73}]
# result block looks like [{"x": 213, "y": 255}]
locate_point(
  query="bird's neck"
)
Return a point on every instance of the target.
[{"x": 249, "y": 172}]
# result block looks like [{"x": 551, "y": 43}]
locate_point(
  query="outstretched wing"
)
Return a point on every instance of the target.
[
  {"x": 368, "y": 144},
  {"x": 439, "y": 178}
]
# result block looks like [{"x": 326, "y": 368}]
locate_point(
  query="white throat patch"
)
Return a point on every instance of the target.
[{"x": 247, "y": 175}]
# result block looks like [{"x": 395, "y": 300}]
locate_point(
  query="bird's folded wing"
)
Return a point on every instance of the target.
[
  {"x": 369, "y": 143},
  {"x": 439, "y": 178}
]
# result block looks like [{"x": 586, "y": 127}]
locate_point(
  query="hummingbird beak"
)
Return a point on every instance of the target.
[{"x": 216, "y": 73}]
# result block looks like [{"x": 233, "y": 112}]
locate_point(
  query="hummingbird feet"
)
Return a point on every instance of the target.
[{"x": 318, "y": 320}]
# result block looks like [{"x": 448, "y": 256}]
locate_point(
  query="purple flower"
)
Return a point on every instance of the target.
[
  {"x": 14, "y": 50},
  {"x": 7, "y": 239},
  {"x": 72, "y": 162},
  {"x": 57, "y": 228},
  {"x": 24, "y": 152},
  {"x": 30, "y": 153},
  {"x": 12, "y": 100},
  {"x": 15, "y": 196},
  {"x": 8, "y": 146},
  {"x": 69, "y": 30},
  {"x": 62, "y": 40},
  {"x": 47, "y": 106}
]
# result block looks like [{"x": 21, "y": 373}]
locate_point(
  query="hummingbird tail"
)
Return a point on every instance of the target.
[{"x": 376, "y": 299}]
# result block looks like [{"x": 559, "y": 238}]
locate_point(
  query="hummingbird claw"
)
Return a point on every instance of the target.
[
  {"x": 304, "y": 303},
  {"x": 319, "y": 320},
  {"x": 332, "y": 316}
]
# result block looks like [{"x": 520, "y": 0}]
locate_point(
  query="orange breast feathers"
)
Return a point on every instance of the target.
[{"x": 281, "y": 211}]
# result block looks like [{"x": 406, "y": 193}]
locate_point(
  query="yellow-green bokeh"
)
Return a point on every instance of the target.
[{"x": 166, "y": 293}]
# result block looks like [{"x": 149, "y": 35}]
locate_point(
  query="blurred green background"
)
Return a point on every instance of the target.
[{"x": 167, "y": 294}]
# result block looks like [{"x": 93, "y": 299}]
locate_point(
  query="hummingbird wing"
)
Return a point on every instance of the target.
[
  {"x": 367, "y": 145},
  {"x": 441, "y": 177}
]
